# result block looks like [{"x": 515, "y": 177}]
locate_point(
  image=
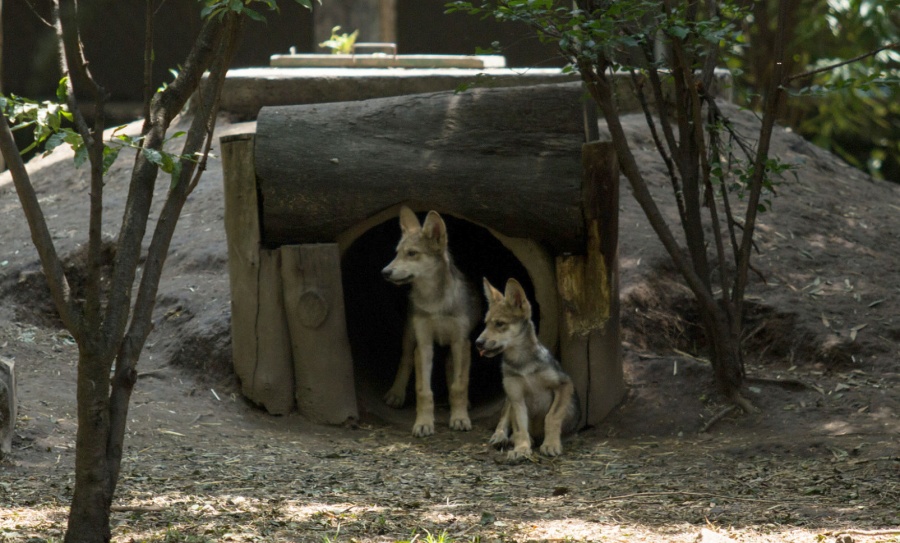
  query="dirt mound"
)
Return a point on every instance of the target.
[
  {"x": 659, "y": 315},
  {"x": 26, "y": 287}
]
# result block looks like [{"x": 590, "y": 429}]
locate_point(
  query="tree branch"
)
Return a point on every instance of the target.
[
  {"x": 165, "y": 106},
  {"x": 895, "y": 45},
  {"x": 74, "y": 64},
  {"x": 599, "y": 87},
  {"x": 200, "y": 135},
  {"x": 667, "y": 130},
  {"x": 770, "y": 111},
  {"x": 40, "y": 234},
  {"x": 692, "y": 145},
  {"x": 148, "y": 60}
]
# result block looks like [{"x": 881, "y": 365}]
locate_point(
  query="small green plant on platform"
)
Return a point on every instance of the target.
[{"x": 340, "y": 44}]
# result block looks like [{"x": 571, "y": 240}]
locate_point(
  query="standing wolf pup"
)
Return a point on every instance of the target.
[
  {"x": 443, "y": 309},
  {"x": 540, "y": 397}
]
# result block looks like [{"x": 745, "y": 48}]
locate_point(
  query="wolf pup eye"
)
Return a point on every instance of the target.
[{"x": 412, "y": 253}]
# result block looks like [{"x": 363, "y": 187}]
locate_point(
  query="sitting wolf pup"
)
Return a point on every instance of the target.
[
  {"x": 540, "y": 397},
  {"x": 443, "y": 309}
]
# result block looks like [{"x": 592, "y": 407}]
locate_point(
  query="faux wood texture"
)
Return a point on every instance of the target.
[
  {"x": 273, "y": 380},
  {"x": 506, "y": 158},
  {"x": 314, "y": 303},
  {"x": 588, "y": 287},
  {"x": 242, "y": 234}
]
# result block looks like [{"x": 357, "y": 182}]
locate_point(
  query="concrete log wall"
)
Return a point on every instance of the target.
[{"x": 504, "y": 158}]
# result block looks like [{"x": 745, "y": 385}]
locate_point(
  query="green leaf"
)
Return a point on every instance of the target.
[
  {"x": 53, "y": 142},
  {"x": 176, "y": 175},
  {"x": 53, "y": 118},
  {"x": 81, "y": 155},
  {"x": 679, "y": 32},
  {"x": 153, "y": 156},
  {"x": 206, "y": 11},
  {"x": 110, "y": 154},
  {"x": 254, "y": 15},
  {"x": 62, "y": 90},
  {"x": 168, "y": 164}
]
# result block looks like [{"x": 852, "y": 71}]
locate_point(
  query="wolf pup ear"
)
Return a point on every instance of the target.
[
  {"x": 435, "y": 228},
  {"x": 408, "y": 220},
  {"x": 515, "y": 295},
  {"x": 493, "y": 295}
]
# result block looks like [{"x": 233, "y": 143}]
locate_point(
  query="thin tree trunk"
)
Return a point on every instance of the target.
[
  {"x": 773, "y": 98},
  {"x": 73, "y": 63},
  {"x": 92, "y": 499},
  {"x": 200, "y": 133},
  {"x": 102, "y": 404},
  {"x": 724, "y": 349}
]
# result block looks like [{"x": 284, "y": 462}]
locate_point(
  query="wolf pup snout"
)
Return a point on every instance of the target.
[
  {"x": 388, "y": 274},
  {"x": 487, "y": 349}
]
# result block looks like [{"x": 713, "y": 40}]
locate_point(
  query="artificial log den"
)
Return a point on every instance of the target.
[{"x": 316, "y": 178}]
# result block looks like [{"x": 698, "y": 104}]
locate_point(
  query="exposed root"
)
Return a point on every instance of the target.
[
  {"x": 737, "y": 401},
  {"x": 719, "y": 416},
  {"x": 744, "y": 403}
]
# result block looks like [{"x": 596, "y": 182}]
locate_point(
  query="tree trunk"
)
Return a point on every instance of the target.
[
  {"x": 724, "y": 344},
  {"x": 102, "y": 410},
  {"x": 724, "y": 351},
  {"x": 89, "y": 514}
]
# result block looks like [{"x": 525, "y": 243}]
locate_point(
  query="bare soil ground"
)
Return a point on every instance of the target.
[{"x": 819, "y": 462}]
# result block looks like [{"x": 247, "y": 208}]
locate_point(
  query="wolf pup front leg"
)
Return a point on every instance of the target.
[
  {"x": 540, "y": 397},
  {"x": 443, "y": 309},
  {"x": 396, "y": 395}
]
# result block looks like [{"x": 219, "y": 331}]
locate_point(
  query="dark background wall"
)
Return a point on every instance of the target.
[
  {"x": 113, "y": 33},
  {"x": 423, "y": 27}
]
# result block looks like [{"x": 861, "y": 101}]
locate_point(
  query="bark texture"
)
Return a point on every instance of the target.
[{"x": 486, "y": 154}]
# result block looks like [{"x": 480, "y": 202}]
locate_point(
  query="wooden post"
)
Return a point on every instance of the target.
[
  {"x": 8, "y": 405},
  {"x": 273, "y": 379},
  {"x": 242, "y": 233},
  {"x": 314, "y": 302},
  {"x": 259, "y": 337},
  {"x": 387, "y": 21},
  {"x": 588, "y": 286}
]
